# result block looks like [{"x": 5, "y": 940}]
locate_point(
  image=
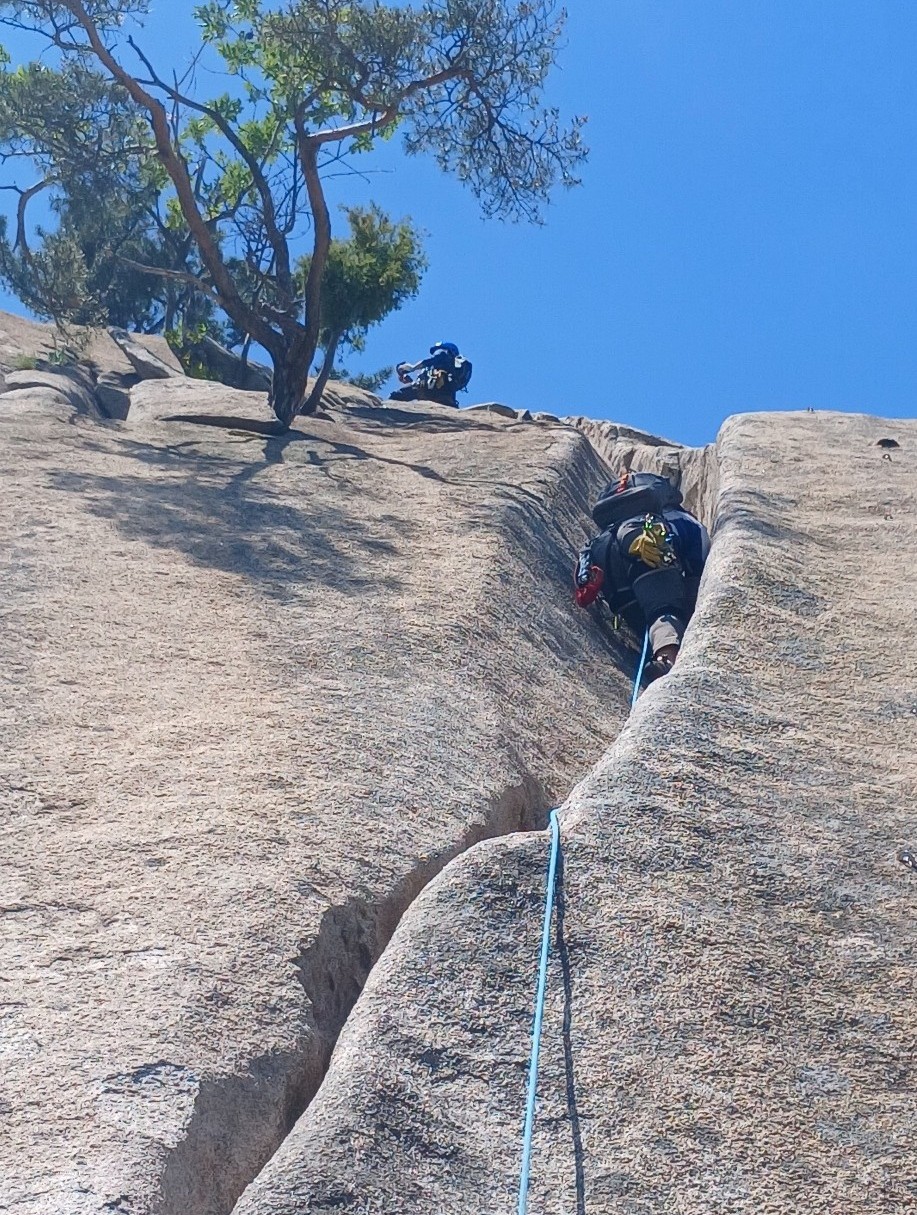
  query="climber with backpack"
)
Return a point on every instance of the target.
[
  {"x": 442, "y": 375},
  {"x": 646, "y": 562}
]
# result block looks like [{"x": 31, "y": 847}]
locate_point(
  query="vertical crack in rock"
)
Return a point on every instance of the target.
[{"x": 239, "y": 1121}]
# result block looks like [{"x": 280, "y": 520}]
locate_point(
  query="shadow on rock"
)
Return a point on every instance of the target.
[
  {"x": 391, "y": 415},
  {"x": 223, "y": 522},
  {"x": 221, "y": 421},
  {"x": 563, "y": 953}
]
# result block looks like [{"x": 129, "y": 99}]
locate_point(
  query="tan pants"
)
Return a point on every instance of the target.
[{"x": 666, "y": 630}]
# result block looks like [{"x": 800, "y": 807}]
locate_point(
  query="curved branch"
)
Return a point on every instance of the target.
[
  {"x": 383, "y": 117},
  {"x": 180, "y": 276},
  {"x": 177, "y": 169},
  {"x": 275, "y": 236},
  {"x": 21, "y": 241}
]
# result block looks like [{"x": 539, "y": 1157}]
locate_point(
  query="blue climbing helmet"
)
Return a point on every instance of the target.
[{"x": 459, "y": 374}]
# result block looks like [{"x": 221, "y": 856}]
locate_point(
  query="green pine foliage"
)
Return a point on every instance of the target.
[{"x": 213, "y": 193}]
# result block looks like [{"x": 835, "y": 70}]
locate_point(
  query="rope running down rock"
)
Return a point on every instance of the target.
[{"x": 543, "y": 978}]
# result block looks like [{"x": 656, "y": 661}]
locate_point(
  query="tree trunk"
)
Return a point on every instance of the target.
[
  {"x": 321, "y": 220},
  {"x": 289, "y": 382},
  {"x": 315, "y": 396}
]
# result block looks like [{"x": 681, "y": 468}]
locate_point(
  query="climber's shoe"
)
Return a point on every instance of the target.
[
  {"x": 662, "y": 663},
  {"x": 655, "y": 670}
]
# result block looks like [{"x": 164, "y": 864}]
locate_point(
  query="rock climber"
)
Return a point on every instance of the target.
[
  {"x": 442, "y": 375},
  {"x": 646, "y": 562}
]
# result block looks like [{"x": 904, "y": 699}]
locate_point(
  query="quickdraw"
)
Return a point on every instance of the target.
[{"x": 654, "y": 544}]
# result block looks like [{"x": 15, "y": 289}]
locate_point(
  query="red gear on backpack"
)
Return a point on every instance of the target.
[{"x": 587, "y": 592}]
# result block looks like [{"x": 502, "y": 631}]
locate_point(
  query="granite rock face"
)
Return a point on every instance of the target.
[
  {"x": 74, "y": 389},
  {"x": 151, "y": 357},
  {"x": 228, "y": 367},
  {"x": 258, "y": 689},
  {"x": 689, "y": 467},
  {"x": 99, "y": 374},
  {"x": 94, "y": 376},
  {"x": 731, "y": 996},
  {"x": 96, "y": 349},
  {"x": 283, "y": 717}
]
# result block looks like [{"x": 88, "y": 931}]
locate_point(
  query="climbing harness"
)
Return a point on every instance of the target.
[{"x": 529, "y": 1125}]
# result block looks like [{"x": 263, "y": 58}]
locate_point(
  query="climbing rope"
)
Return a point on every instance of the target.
[
  {"x": 636, "y": 691},
  {"x": 543, "y": 979},
  {"x": 539, "y": 1014}
]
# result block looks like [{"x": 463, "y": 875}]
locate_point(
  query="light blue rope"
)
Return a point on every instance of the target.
[
  {"x": 539, "y": 1014},
  {"x": 636, "y": 693},
  {"x": 543, "y": 979}
]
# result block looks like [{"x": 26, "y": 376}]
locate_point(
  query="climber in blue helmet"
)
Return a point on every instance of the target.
[{"x": 442, "y": 375}]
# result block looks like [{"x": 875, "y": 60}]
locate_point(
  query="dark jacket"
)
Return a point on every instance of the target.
[{"x": 633, "y": 589}]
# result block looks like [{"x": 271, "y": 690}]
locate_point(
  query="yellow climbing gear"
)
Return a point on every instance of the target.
[{"x": 653, "y": 546}]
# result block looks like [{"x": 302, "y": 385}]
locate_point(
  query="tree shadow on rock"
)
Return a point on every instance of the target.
[
  {"x": 255, "y": 426},
  {"x": 279, "y": 440},
  {"x": 214, "y": 520},
  {"x": 391, "y": 415}
]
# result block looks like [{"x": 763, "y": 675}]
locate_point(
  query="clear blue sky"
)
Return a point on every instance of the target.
[{"x": 745, "y": 237}]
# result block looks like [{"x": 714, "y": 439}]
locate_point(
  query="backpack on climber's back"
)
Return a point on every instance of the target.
[
  {"x": 459, "y": 377},
  {"x": 635, "y": 493}
]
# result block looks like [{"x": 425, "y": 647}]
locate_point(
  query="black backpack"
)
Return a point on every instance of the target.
[
  {"x": 635, "y": 493},
  {"x": 461, "y": 374}
]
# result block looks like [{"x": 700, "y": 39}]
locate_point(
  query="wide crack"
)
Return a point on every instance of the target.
[{"x": 240, "y": 1121}]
